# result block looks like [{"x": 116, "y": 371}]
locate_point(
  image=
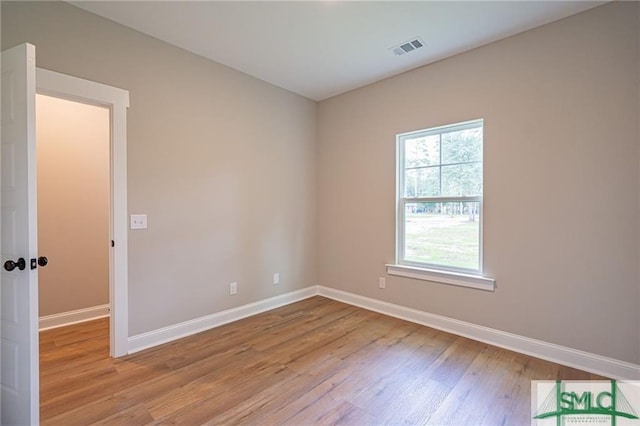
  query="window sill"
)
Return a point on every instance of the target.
[{"x": 444, "y": 277}]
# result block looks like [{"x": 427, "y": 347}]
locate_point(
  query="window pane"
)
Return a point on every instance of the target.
[
  {"x": 443, "y": 234},
  {"x": 423, "y": 151},
  {"x": 462, "y": 146},
  {"x": 462, "y": 179},
  {"x": 422, "y": 182}
]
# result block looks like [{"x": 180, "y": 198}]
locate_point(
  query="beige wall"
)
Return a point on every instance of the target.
[
  {"x": 223, "y": 164},
  {"x": 73, "y": 204},
  {"x": 560, "y": 108}
]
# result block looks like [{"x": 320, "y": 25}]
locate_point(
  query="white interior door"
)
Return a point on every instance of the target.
[{"x": 19, "y": 286}]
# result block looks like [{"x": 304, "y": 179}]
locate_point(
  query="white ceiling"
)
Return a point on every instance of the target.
[{"x": 319, "y": 49}]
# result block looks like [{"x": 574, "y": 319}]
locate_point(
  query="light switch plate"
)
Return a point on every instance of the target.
[{"x": 138, "y": 221}]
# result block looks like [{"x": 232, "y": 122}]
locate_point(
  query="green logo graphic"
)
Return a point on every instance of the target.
[{"x": 605, "y": 401}]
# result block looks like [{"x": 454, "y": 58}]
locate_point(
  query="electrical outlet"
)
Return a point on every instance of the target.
[
  {"x": 276, "y": 279},
  {"x": 382, "y": 283},
  {"x": 233, "y": 288}
]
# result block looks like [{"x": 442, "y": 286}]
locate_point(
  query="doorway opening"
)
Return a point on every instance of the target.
[
  {"x": 73, "y": 197},
  {"x": 116, "y": 102}
]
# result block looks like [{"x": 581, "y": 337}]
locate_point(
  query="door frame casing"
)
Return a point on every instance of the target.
[{"x": 63, "y": 86}]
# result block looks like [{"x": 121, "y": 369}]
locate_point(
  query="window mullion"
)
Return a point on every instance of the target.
[
  {"x": 440, "y": 164},
  {"x": 458, "y": 199}
]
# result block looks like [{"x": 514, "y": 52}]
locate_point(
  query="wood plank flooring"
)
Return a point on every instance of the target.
[{"x": 316, "y": 362}]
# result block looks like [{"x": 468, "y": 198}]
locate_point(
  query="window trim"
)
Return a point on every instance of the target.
[
  {"x": 479, "y": 282},
  {"x": 433, "y": 272}
]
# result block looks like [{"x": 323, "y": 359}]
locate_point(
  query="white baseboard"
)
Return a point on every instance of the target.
[
  {"x": 563, "y": 355},
  {"x": 73, "y": 317},
  {"x": 586, "y": 361},
  {"x": 167, "y": 334}
]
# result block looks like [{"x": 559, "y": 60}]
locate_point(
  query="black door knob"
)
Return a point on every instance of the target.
[
  {"x": 42, "y": 261},
  {"x": 10, "y": 265}
]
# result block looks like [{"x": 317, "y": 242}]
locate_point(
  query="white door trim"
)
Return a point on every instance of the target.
[{"x": 117, "y": 100}]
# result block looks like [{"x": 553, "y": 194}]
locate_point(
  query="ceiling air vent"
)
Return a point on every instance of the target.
[{"x": 408, "y": 46}]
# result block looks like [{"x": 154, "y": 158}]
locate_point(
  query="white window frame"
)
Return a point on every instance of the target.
[{"x": 425, "y": 271}]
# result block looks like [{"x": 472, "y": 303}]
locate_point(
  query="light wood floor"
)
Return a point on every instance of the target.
[{"x": 313, "y": 362}]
